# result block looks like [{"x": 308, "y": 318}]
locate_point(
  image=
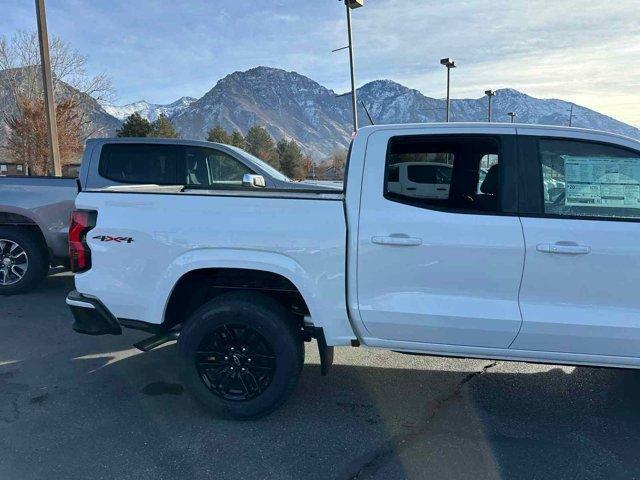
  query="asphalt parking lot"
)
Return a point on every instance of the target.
[{"x": 73, "y": 406}]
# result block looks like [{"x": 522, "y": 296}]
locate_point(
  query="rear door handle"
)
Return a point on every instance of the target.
[
  {"x": 563, "y": 248},
  {"x": 397, "y": 239}
]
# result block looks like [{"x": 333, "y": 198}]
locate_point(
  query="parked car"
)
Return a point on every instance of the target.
[
  {"x": 424, "y": 179},
  {"x": 34, "y": 211},
  {"x": 243, "y": 278}
]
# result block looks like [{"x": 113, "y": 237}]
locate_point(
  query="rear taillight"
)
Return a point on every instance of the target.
[{"x": 79, "y": 254}]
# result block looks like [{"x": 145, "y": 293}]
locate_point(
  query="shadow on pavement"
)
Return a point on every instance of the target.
[{"x": 73, "y": 406}]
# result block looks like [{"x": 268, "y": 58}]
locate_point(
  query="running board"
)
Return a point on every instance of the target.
[{"x": 157, "y": 340}]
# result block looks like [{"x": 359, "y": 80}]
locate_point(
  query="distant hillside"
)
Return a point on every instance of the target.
[
  {"x": 100, "y": 123},
  {"x": 291, "y": 105},
  {"x": 294, "y": 106}
]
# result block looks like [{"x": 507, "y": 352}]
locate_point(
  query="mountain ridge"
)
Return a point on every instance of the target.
[
  {"x": 293, "y": 106},
  {"x": 150, "y": 111}
]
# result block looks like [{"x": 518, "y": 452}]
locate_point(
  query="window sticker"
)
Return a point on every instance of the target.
[{"x": 602, "y": 181}]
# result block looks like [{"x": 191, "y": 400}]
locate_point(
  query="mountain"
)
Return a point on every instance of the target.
[
  {"x": 99, "y": 122},
  {"x": 150, "y": 111},
  {"x": 291, "y": 105},
  {"x": 537, "y": 111},
  {"x": 287, "y": 104}
]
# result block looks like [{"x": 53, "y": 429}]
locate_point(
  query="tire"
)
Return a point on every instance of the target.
[
  {"x": 241, "y": 332},
  {"x": 37, "y": 260}
]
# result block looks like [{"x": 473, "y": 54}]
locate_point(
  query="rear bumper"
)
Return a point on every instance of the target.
[{"x": 91, "y": 316}]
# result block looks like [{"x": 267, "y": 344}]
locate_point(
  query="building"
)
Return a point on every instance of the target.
[{"x": 8, "y": 166}]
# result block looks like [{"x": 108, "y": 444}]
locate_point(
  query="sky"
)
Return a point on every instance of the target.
[{"x": 586, "y": 52}]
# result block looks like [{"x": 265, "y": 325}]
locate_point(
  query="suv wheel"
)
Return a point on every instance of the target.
[
  {"x": 23, "y": 261},
  {"x": 241, "y": 355}
]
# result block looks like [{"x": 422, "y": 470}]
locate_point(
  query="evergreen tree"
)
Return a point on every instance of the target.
[
  {"x": 237, "y": 140},
  {"x": 162, "y": 128},
  {"x": 218, "y": 134},
  {"x": 134, "y": 126},
  {"x": 259, "y": 143},
  {"x": 291, "y": 159}
]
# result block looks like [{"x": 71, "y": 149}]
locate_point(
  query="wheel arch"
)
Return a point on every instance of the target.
[
  {"x": 198, "y": 276},
  {"x": 21, "y": 220}
]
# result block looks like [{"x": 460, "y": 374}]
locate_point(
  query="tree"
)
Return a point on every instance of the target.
[
  {"x": 218, "y": 134},
  {"x": 310, "y": 168},
  {"x": 28, "y": 134},
  {"x": 135, "y": 126},
  {"x": 339, "y": 160},
  {"x": 237, "y": 140},
  {"x": 259, "y": 143},
  {"x": 21, "y": 72},
  {"x": 23, "y": 105},
  {"x": 291, "y": 159},
  {"x": 163, "y": 128}
]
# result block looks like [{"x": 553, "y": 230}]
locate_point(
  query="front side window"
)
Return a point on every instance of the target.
[
  {"x": 209, "y": 167},
  {"x": 589, "y": 179},
  {"x": 456, "y": 173}
]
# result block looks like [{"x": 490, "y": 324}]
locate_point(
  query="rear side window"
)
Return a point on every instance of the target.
[
  {"x": 589, "y": 179},
  {"x": 457, "y": 173},
  {"x": 140, "y": 163}
]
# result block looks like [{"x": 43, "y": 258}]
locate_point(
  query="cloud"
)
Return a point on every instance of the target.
[{"x": 585, "y": 52}]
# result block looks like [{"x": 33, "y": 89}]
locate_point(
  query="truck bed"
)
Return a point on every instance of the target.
[
  {"x": 45, "y": 201},
  {"x": 169, "y": 231}
]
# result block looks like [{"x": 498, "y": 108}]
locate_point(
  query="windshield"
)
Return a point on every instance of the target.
[{"x": 272, "y": 172}]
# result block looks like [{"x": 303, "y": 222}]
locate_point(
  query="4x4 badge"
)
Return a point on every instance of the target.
[{"x": 107, "y": 238}]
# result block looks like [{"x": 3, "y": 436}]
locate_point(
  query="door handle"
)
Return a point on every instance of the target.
[
  {"x": 563, "y": 248},
  {"x": 411, "y": 188},
  {"x": 397, "y": 239},
  {"x": 442, "y": 189}
]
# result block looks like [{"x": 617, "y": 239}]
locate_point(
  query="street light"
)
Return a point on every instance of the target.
[
  {"x": 490, "y": 93},
  {"x": 512, "y": 115},
  {"x": 350, "y": 5},
  {"x": 447, "y": 62}
]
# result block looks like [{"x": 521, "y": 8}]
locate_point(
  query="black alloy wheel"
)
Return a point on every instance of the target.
[{"x": 235, "y": 362}]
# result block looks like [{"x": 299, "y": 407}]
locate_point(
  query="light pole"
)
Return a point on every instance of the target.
[
  {"x": 512, "y": 115},
  {"x": 47, "y": 84},
  {"x": 447, "y": 62},
  {"x": 350, "y": 5},
  {"x": 571, "y": 115},
  {"x": 490, "y": 94}
]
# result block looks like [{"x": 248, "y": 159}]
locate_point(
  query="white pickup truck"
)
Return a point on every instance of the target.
[{"x": 242, "y": 277}]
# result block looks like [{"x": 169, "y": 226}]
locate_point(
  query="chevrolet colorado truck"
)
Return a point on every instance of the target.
[
  {"x": 242, "y": 278},
  {"x": 35, "y": 211}
]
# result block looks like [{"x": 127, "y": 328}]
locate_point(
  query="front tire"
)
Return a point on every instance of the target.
[
  {"x": 24, "y": 261},
  {"x": 241, "y": 355}
]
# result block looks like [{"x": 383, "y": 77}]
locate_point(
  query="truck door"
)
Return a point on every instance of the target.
[
  {"x": 580, "y": 221},
  {"x": 441, "y": 270}
]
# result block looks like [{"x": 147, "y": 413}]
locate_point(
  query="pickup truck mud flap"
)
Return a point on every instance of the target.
[{"x": 326, "y": 352}]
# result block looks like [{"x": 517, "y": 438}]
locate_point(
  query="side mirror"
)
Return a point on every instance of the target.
[{"x": 249, "y": 180}]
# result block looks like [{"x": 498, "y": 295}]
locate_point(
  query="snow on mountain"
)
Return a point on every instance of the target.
[
  {"x": 290, "y": 105},
  {"x": 287, "y": 104},
  {"x": 150, "y": 111},
  {"x": 293, "y": 106}
]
